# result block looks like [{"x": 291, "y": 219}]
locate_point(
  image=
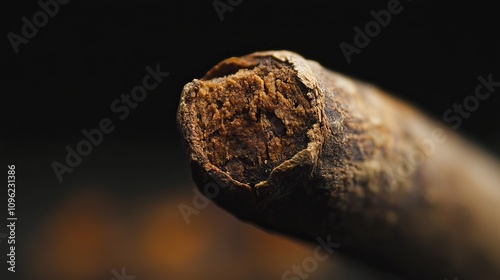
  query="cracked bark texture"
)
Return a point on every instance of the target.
[{"x": 299, "y": 149}]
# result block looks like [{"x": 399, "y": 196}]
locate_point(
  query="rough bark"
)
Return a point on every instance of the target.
[{"x": 305, "y": 151}]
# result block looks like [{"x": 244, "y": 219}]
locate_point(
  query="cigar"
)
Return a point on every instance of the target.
[{"x": 301, "y": 150}]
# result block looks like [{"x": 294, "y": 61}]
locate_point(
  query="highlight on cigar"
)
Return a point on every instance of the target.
[{"x": 303, "y": 151}]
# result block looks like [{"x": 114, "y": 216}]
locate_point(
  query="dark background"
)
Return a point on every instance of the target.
[{"x": 65, "y": 78}]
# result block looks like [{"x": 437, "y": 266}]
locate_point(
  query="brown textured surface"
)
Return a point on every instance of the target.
[
  {"x": 364, "y": 178},
  {"x": 253, "y": 120}
]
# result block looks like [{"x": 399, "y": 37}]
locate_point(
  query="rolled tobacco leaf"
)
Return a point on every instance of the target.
[{"x": 296, "y": 148}]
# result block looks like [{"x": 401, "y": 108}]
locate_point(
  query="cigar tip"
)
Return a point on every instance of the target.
[{"x": 248, "y": 115}]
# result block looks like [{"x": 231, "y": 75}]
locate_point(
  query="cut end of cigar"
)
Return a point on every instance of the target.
[{"x": 248, "y": 116}]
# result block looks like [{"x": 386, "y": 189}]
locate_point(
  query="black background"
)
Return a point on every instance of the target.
[{"x": 65, "y": 78}]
